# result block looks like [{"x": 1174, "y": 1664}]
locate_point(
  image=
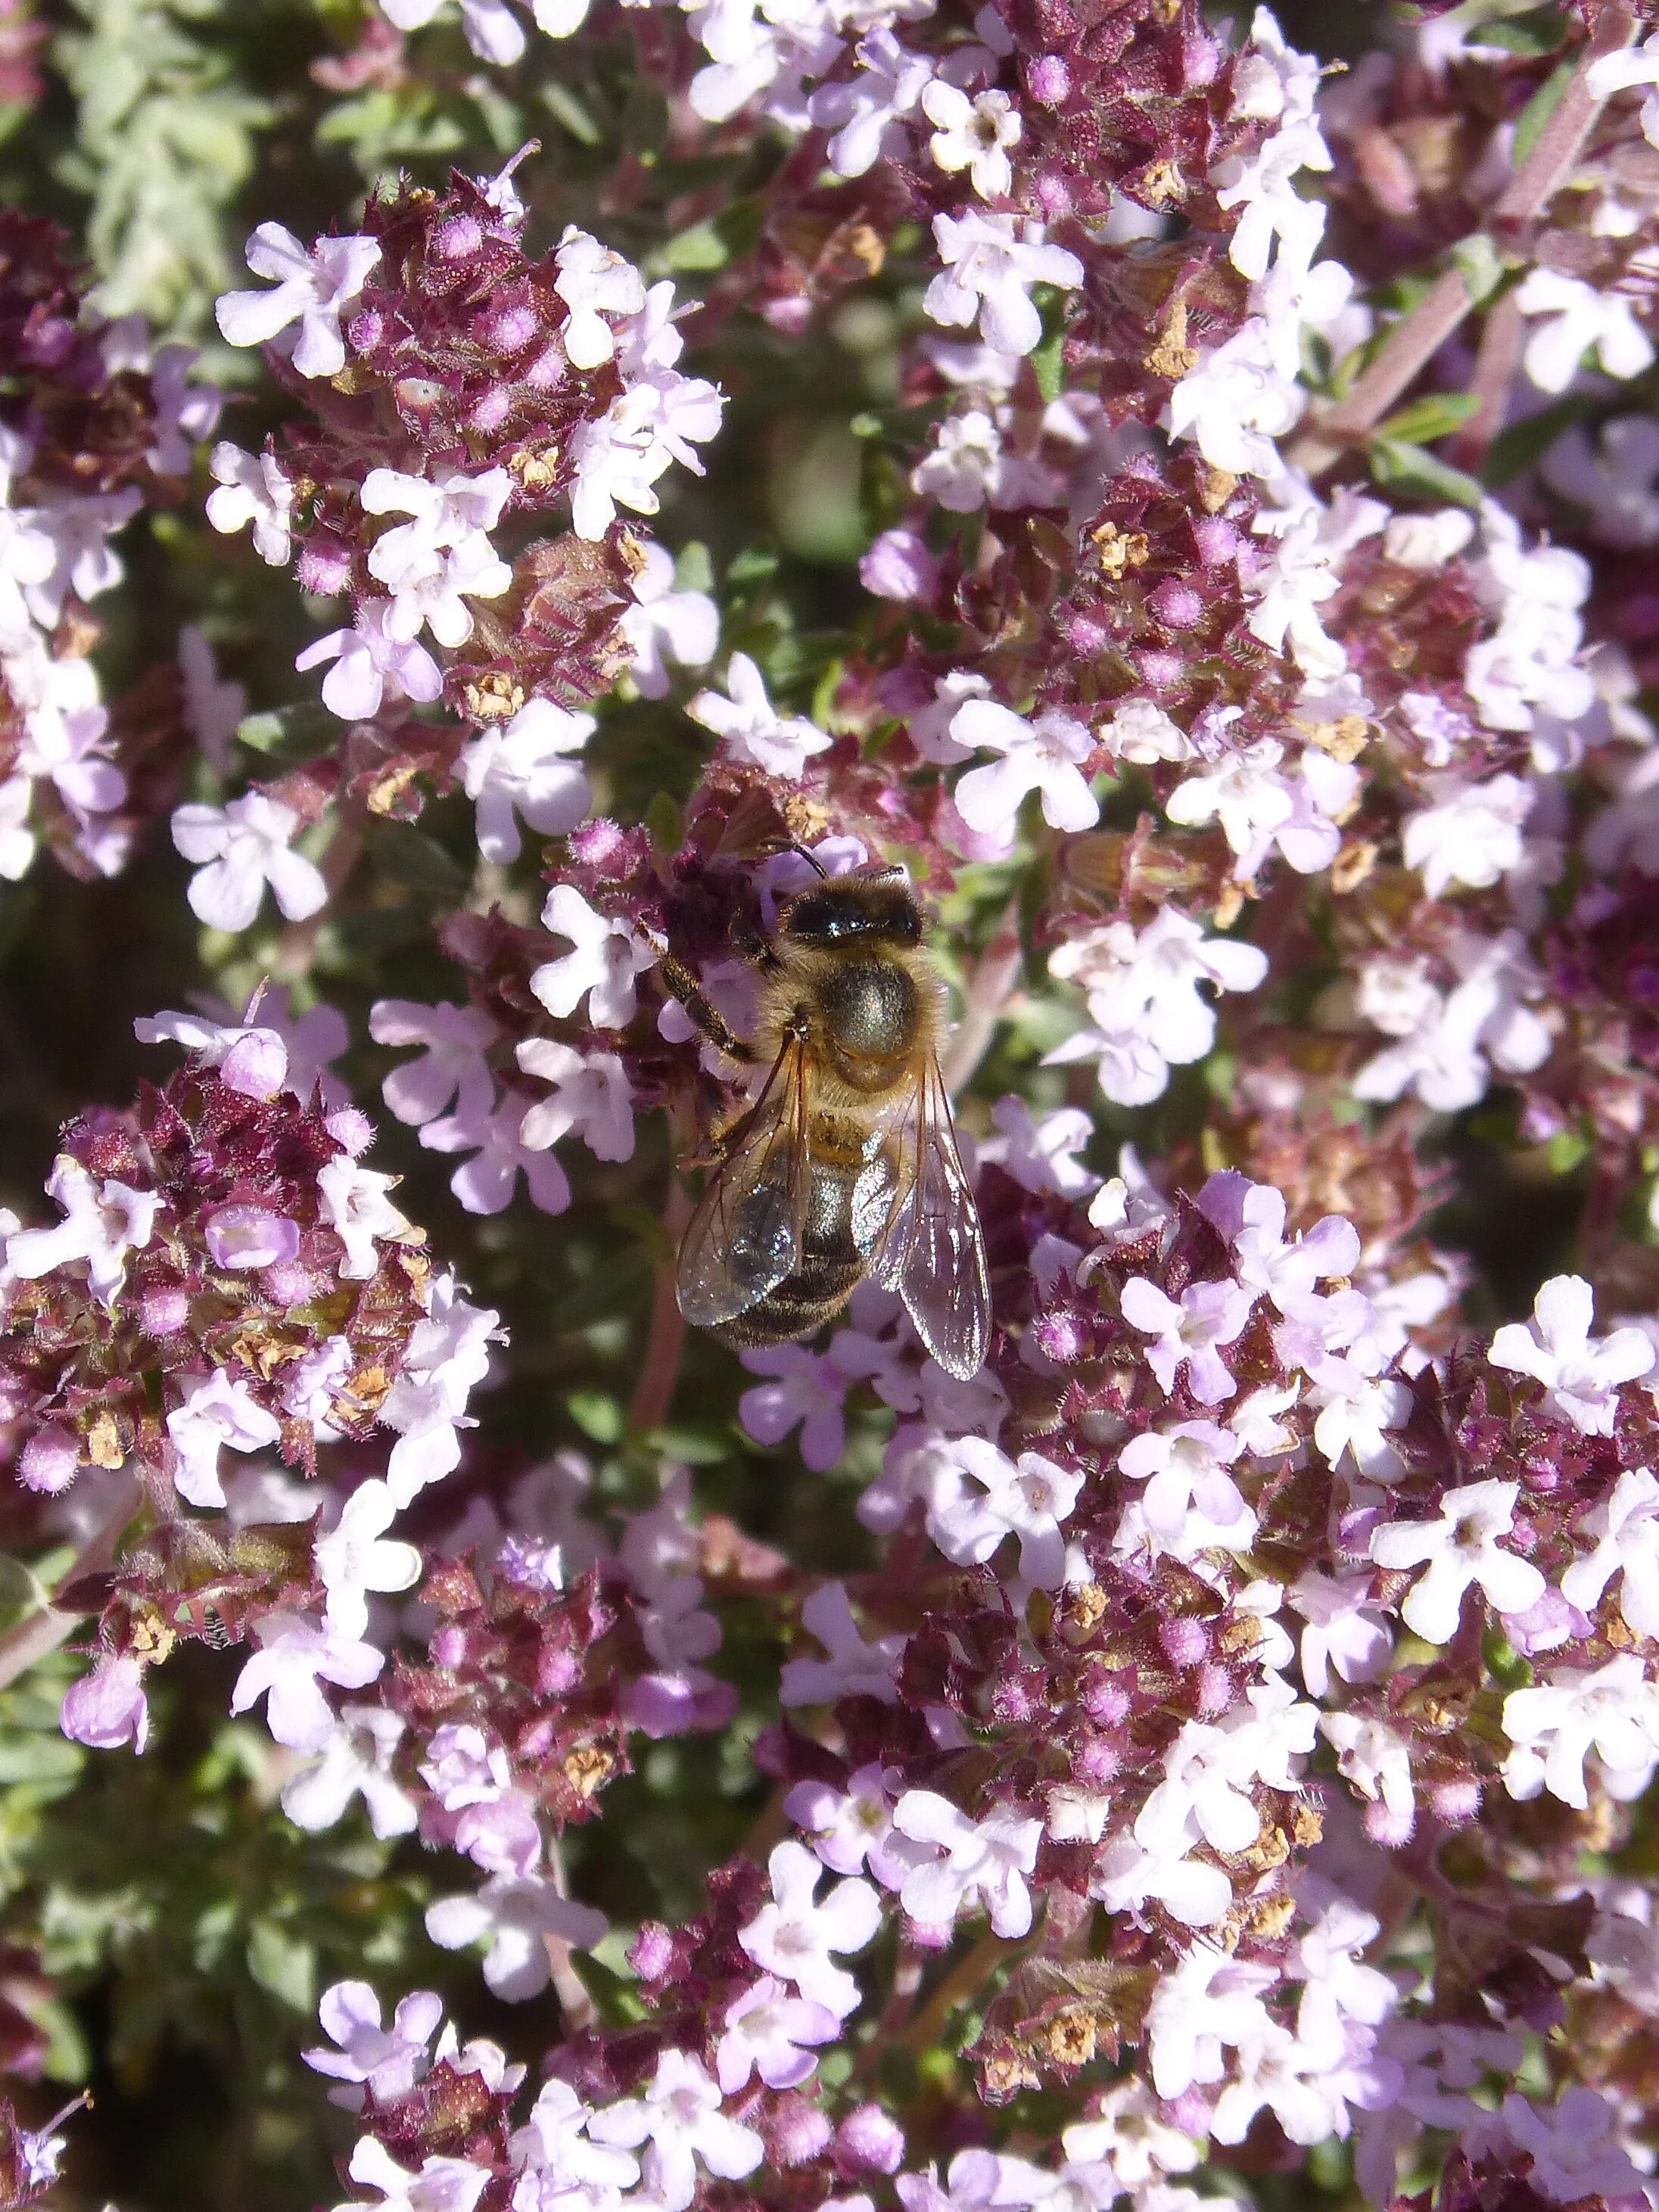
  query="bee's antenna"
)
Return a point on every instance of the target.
[{"x": 810, "y": 858}]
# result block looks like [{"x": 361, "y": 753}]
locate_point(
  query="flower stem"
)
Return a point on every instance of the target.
[
  {"x": 1416, "y": 338},
  {"x": 653, "y": 1393},
  {"x": 985, "y": 1000},
  {"x": 44, "y": 1629}
]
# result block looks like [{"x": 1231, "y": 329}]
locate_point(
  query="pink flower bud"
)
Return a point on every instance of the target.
[
  {"x": 50, "y": 1460},
  {"x": 653, "y": 1951},
  {"x": 899, "y": 566},
  {"x": 1048, "y": 80},
  {"x": 1178, "y": 604},
  {"x": 871, "y": 2138},
  {"x": 163, "y": 1311},
  {"x": 458, "y": 238},
  {"x": 798, "y": 2130},
  {"x": 1183, "y": 1643}
]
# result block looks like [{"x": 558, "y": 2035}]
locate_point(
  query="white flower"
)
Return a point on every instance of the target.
[
  {"x": 1447, "y": 1043},
  {"x": 1627, "y": 1530},
  {"x": 1459, "y": 1548},
  {"x": 513, "y": 1913},
  {"x": 965, "y": 467},
  {"x": 593, "y": 282},
  {"x": 861, "y": 111},
  {"x": 390, "y": 2060},
  {"x": 1581, "y": 1377},
  {"x": 1040, "y": 1156},
  {"x": 294, "y": 1649},
  {"x": 592, "y": 1095},
  {"x": 796, "y": 1936},
  {"x": 1143, "y": 997},
  {"x": 983, "y": 1862},
  {"x": 356, "y": 1207},
  {"x": 1029, "y": 1498},
  {"x": 1575, "y": 318},
  {"x": 435, "y": 594},
  {"x": 445, "y": 511},
  {"x": 217, "y": 1410},
  {"x": 252, "y": 488},
  {"x": 750, "y": 726},
  {"x": 103, "y": 1221},
  {"x": 855, "y": 1669},
  {"x": 443, "y": 2185},
  {"x": 1143, "y": 734},
  {"x": 1183, "y": 1466},
  {"x": 1577, "y": 2147},
  {"x": 1618, "y": 72},
  {"x": 991, "y": 262},
  {"x": 312, "y": 288},
  {"x": 1376, "y": 1761},
  {"x": 1236, "y": 402},
  {"x": 606, "y": 956},
  {"x": 1044, "y": 755},
  {"x": 974, "y": 134},
  {"x": 357, "y": 1557},
  {"x": 664, "y": 624},
  {"x": 679, "y": 2117},
  {"x": 356, "y": 1759},
  {"x": 1471, "y": 835},
  {"x": 237, "y": 850},
  {"x": 554, "y": 2142},
  {"x": 1289, "y": 588},
  {"x": 618, "y": 459},
  {"x": 519, "y": 768},
  {"x": 1555, "y": 1725},
  {"x": 372, "y": 662},
  {"x": 769, "y": 2032},
  {"x": 453, "y": 1066},
  {"x": 448, "y": 1355}
]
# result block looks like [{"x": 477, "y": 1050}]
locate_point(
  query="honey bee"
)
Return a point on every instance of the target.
[{"x": 846, "y": 1164}]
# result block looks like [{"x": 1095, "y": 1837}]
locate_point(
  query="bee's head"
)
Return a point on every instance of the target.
[{"x": 873, "y": 906}]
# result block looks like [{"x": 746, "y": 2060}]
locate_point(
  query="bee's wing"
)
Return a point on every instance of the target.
[
  {"x": 745, "y": 1236},
  {"x": 928, "y": 1247}
]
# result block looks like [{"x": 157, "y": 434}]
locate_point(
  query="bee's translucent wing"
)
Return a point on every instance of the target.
[
  {"x": 928, "y": 1247},
  {"x": 745, "y": 1236}
]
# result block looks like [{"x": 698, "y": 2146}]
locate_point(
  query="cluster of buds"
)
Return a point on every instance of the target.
[{"x": 97, "y": 423}]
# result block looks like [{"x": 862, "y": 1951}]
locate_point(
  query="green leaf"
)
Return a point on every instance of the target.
[
  {"x": 1568, "y": 1150},
  {"x": 1480, "y": 265},
  {"x": 1049, "y": 364},
  {"x": 702, "y": 247},
  {"x": 1504, "y": 1663},
  {"x": 596, "y": 1415},
  {"x": 694, "y": 571},
  {"x": 411, "y": 856},
  {"x": 570, "y": 114},
  {"x": 1540, "y": 30},
  {"x": 664, "y": 823},
  {"x": 1516, "y": 448},
  {"x": 756, "y": 564},
  {"x": 283, "y": 1964},
  {"x": 1434, "y": 415},
  {"x": 289, "y": 732},
  {"x": 1403, "y": 468},
  {"x": 1529, "y": 123}
]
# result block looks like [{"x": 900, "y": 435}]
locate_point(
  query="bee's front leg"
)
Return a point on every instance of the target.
[{"x": 691, "y": 995}]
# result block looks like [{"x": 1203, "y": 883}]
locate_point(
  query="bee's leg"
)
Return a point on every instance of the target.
[{"x": 691, "y": 995}]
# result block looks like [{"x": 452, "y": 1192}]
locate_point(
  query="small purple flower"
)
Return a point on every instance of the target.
[
  {"x": 251, "y": 1237},
  {"x": 108, "y": 1707}
]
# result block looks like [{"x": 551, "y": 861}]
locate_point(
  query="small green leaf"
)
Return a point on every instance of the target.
[
  {"x": 1567, "y": 1150},
  {"x": 1480, "y": 265},
  {"x": 287, "y": 732},
  {"x": 411, "y": 856},
  {"x": 694, "y": 571},
  {"x": 1404, "y": 468},
  {"x": 1049, "y": 364},
  {"x": 664, "y": 825},
  {"x": 569, "y": 114},
  {"x": 1516, "y": 448},
  {"x": 1540, "y": 30},
  {"x": 1504, "y": 1663},
  {"x": 596, "y": 1415},
  {"x": 702, "y": 247},
  {"x": 756, "y": 564},
  {"x": 1437, "y": 414},
  {"x": 1529, "y": 123},
  {"x": 282, "y": 1964}
]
